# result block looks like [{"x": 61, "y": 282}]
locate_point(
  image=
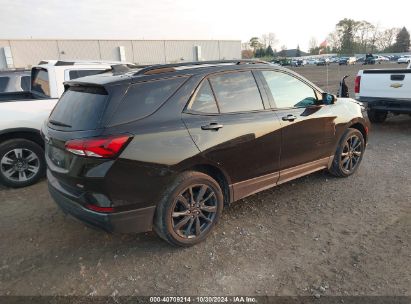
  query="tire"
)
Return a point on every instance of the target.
[
  {"x": 377, "y": 116},
  {"x": 176, "y": 207},
  {"x": 349, "y": 154},
  {"x": 22, "y": 163}
]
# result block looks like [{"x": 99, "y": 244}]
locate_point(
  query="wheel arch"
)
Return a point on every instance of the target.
[
  {"x": 362, "y": 128},
  {"x": 22, "y": 133},
  {"x": 217, "y": 174}
]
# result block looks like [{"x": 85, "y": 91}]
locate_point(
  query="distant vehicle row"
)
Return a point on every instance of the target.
[{"x": 365, "y": 60}]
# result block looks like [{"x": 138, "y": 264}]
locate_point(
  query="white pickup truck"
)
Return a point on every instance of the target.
[
  {"x": 22, "y": 114},
  {"x": 383, "y": 91}
]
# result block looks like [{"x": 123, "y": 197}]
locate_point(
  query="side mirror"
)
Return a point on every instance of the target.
[{"x": 328, "y": 98}]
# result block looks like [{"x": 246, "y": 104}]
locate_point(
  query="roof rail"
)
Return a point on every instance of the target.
[{"x": 164, "y": 68}]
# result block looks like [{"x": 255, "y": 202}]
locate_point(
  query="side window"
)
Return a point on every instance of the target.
[
  {"x": 25, "y": 83},
  {"x": 236, "y": 92},
  {"x": 204, "y": 100},
  {"x": 74, "y": 74},
  {"x": 288, "y": 91},
  {"x": 143, "y": 98},
  {"x": 40, "y": 81},
  {"x": 3, "y": 83}
]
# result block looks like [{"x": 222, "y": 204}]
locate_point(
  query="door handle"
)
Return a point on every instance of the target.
[
  {"x": 289, "y": 117},
  {"x": 212, "y": 126}
]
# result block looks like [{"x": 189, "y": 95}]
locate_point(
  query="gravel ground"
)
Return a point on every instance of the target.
[{"x": 317, "y": 235}]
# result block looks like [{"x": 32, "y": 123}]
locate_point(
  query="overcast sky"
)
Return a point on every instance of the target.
[{"x": 293, "y": 22}]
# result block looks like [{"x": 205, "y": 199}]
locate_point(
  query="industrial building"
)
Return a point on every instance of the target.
[{"x": 25, "y": 53}]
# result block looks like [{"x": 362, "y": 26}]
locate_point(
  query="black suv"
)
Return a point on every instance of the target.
[{"x": 165, "y": 147}]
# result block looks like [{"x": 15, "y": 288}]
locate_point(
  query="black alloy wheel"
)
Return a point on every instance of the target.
[
  {"x": 194, "y": 211},
  {"x": 349, "y": 154},
  {"x": 189, "y": 209}
]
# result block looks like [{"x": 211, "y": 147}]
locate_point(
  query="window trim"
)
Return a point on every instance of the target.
[
  {"x": 271, "y": 98},
  {"x": 264, "y": 98}
]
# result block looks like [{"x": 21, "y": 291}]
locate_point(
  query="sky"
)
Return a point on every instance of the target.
[{"x": 293, "y": 22}]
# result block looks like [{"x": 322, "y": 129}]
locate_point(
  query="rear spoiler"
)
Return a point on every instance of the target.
[{"x": 86, "y": 87}]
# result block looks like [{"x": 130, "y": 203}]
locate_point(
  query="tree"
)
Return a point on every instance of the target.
[
  {"x": 247, "y": 54},
  {"x": 255, "y": 43},
  {"x": 298, "y": 52},
  {"x": 386, "y": 39},
  {"x": 402, "y": 42},
  {"x": 268, "y": 40},
  {"x": 269, "y": 51},
  {"x": 260, "y": 52},
  {"x": 363, "y": 33},
  {"x": 334, "y": 41},
  {"x": 312, "y": 44},
  {"x": 347, "y": 28}
]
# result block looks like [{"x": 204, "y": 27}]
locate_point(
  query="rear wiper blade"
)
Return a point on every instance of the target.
[{"x": 57, "y": 123}]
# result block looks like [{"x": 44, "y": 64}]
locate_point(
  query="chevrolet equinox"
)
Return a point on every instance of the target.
[{"x": 166, "y": 147}]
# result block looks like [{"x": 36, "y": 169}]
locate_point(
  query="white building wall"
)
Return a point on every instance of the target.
[
  {"x": 79, "y": 49},
  {"x": 29, "y": 52},
  {"x": 109, "y": 49},
  {"x": 148, "y": 51}
]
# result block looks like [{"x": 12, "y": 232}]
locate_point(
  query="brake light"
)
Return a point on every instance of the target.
[
  {"x": 357, "y": 84},
  {"x": 100, "y": 209},
  {"x": 98, "y": 147}
]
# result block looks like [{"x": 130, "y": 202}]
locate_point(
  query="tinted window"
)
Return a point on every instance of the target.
[
  {"x": 236, "y": 92},
  {"x": 288, "y": 91},
  {"x": 80, "y": 108},
  {"x": 3, "y": 83},
  {"x": 144, "y": 98},
  {"x": 25, "y": 83},
  {"x": 73, "y": 74},
  {"x": 40, "y": 82},
  {"x": 204, "y": 100}
]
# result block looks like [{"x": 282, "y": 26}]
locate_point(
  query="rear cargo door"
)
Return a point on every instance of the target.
[{"x": 78, "y": 114}]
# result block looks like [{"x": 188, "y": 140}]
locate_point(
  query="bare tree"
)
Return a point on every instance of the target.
[
  {"x": 272, "y": 40},
  {"x": 269, "y": 40},
  {"x": 313, "y": 43},
  {"x": 374, "y": 34},
  {"x": 363, "y": 34},
  {"x": 334, "y": 41},
  {"x": 386, "y": 38}
]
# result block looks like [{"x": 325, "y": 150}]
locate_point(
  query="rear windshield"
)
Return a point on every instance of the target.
[
  {"x": 3, "y": 83},
  {"x": 145, "y": 98},
  {"x": 80, "y": 108},
  {"x": 40, "y": 82}
]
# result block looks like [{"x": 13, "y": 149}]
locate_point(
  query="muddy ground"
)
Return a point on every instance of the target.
[{"x": 317, "y": 235}]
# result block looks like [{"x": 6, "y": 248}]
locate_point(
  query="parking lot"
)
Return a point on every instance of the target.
[{"x": 317, "y": 235}]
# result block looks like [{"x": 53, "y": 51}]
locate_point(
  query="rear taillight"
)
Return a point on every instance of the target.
[
  {"x": 106, "y": 147},
  {"x": 357, "y": 84},
  {"x": 100, "y": 209}
]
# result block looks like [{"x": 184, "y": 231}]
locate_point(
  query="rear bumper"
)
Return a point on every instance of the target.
[
  {"x": 132, "y": 221},
  {"x": 400, "y": 106}
]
